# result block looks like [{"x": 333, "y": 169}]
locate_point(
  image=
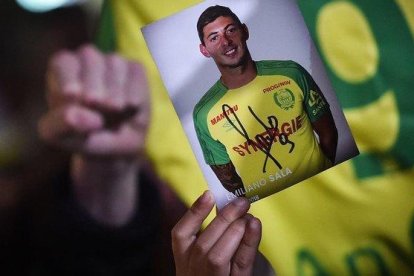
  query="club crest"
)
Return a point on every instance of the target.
[{"x": 284, "y": 99}]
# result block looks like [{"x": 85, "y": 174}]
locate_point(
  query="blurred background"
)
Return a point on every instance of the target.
[
  {"x": 358, "y": 217},
  {"x": 31, "y": 31}
]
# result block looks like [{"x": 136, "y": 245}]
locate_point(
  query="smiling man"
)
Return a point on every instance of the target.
[{"x": 256, "y": 124}]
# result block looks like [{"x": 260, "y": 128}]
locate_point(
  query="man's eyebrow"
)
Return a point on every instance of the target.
[
  {"x": 212, "y": 33},
  {"x": 225, "y": 28},
  {"x": 230, "y": 25}
]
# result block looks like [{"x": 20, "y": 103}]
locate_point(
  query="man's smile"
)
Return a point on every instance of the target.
[{"x": 230, "y": 51}]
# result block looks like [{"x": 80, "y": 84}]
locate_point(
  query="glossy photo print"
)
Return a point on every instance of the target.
[{"x": 252, "y": 95}]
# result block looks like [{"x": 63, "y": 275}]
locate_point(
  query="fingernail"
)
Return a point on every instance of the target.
[
  {"x": 254, "y": 223},
  {"x": 240, "y": 201},
  {"x": 205, "y": 197}
]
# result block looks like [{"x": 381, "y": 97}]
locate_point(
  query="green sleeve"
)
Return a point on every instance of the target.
[
  {"x": 314, "y": 102},
  {"x": 214, "y": 152}
]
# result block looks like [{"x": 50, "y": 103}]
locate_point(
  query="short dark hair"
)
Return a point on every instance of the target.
[{"x": 211, "y": 14}]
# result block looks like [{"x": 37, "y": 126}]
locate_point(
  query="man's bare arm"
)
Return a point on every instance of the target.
[
  {"x": 228, "y": 176},
  {"x": 328, "y": 135}
]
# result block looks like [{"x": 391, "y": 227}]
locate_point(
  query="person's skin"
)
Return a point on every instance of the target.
[
  {"x": 227, "y": 246},
  {"x": 228, "y": 177},
  {"x": 99, "y": 109},
  {"x": 328, "y": 135},
  {"x": 85, "y": 90},
  {"x": 225, "y": 41}
]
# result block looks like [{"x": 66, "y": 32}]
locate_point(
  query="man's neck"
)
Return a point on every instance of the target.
[{"x": 239, "y": 76}]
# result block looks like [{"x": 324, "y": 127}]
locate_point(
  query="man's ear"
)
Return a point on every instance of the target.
[
  {"x": 204, "y": 51},
  {"x": 245, "y": 31}
]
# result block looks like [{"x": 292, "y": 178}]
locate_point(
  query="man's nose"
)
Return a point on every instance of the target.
[{"x": 226, "y": 40}]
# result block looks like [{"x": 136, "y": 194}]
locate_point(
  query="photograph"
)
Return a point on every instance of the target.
[{"x": 252, "y": 95}]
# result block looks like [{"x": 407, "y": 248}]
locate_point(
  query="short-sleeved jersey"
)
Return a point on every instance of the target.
[{"x": 264, "y": 127}]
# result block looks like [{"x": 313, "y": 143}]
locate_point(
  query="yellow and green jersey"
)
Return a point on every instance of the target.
[
  {"x": 356, "y": 218},
  {"x": 264, "y": 127}
]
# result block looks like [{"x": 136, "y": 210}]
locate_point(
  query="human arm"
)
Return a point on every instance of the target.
[
  {"x": 215, "y": 154},
  {"x": 227, "y": 246},
  {"x": 328, "y": 135},
  {"x": 99, "y": 110},
  {"x": 318, "y": 110},
  {"x": 229, "y": 178}
]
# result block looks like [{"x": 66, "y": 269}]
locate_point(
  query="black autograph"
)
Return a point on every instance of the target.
[{"x": 266, "y": 143}]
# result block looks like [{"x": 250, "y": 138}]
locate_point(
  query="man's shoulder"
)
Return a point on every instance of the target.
[
  {"x": 271, "y": 67},
  {"x": 209, "y": 99}
]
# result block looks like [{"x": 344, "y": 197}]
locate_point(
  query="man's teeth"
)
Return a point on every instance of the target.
[{"x": 230, "y": 51}]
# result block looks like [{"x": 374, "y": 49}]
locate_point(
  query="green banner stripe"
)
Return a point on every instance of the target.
[{"x": 105, "y": 38}]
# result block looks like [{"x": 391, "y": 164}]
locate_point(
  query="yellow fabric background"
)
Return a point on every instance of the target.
[
  {"x": 330, "y": 224},
  {"x": 167, "y": 144}
]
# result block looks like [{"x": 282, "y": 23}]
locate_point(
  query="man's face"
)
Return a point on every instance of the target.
[{"x": 225, "y": 42}]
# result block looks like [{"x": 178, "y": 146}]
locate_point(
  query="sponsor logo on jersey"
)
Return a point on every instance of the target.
[
  {"x": 284, "y": 98},
  {"x": 252, "y": 146},
  {"x": 228, "y": 126},
  {"x": 316, "y": 102},
  {"x": 314, "y": 98},
  {"x": 222, "y": 115},
  {"x": 276, "y": 86}
]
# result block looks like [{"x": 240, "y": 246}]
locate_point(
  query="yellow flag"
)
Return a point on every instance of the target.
[{"x": 354, "y": 219}]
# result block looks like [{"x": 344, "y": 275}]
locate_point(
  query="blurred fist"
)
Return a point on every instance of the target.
[{"x": 98, "y": 104}]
